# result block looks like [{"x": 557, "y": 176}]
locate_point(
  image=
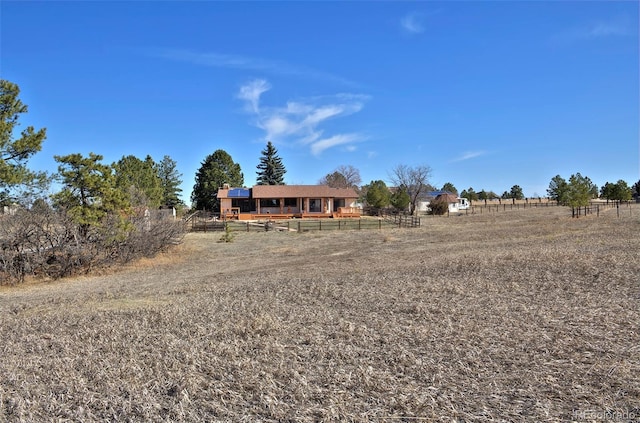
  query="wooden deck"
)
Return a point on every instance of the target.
[
  {"x": 287, "y": 216},
  {"x": 282, "y": 216}
]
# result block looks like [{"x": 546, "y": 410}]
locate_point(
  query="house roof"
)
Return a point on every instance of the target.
[
  {"x": 301, "y": 191},
  {"x": 449, "y": 198},
  {"x": 430, "y": 195},
  {"x": 287, "y": 191}
]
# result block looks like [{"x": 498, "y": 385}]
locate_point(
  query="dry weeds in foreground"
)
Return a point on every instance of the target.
[{"x": 523, "y": 316}]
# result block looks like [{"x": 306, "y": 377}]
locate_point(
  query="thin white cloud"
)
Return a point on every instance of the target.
[
  {"x": 252, "y": 91},
  {"x": 605, "y": 29},
  {"x": 415, "y": 22},
  {"x": 214, "y": 59},
  {"x": 619, "y": 27},
  {"x": 336, "y": 140},
  {"x": 300, "y": 121},
  {"x": 468, "y": 155},
  {"x": 412, "y": 23}
]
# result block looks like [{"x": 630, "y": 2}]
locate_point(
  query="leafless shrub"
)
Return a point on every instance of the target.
[
  {"x": 46, "y": 243},
  {"x": 148, "y": 237},
  {"x": 32, "y": 243}
]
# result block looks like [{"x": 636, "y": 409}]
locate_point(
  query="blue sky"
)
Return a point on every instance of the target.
[{"x": 488, "y": 94}]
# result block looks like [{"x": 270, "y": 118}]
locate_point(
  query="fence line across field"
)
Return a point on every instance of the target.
[
  {"x": 209, "y": 222},
  {"x": 623, "y": 208},
  {"x": 203, "y": 221}
]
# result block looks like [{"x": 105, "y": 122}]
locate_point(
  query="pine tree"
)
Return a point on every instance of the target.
[
  {"x": 139, "y": 180},
  {"x": 217, "y": 169},
  {"x": 89, "y": 192},
  {"x": 270, "y": 170},
  {"x": 15, "y": 152},
  {"x": 170, "y": 180}
]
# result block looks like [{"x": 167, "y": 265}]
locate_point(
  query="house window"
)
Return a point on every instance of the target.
[
  {"x": 242, "y": 203},
  {"x": 315, "y": 205},
  {"x": 338, "y": 202},
  {"x": 269, "y": 202},
  {"x": 291, "y": 202}
]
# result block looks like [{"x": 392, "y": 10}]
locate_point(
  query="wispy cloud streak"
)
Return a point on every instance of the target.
[
  {"x": 468, "y": 155},
  {"x": 620, "y": 27},
  {"x": 251, "y": 93},
  {"x": 300, "y": 121},
  {"x": 274, "y": 67},
  {"x": 412, "y": 23}
]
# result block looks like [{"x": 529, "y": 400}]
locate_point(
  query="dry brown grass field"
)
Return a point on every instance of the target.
[{"x": 521, "y": 316}]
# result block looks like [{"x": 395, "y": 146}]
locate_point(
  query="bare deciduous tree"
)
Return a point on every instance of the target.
[
  {"x": 345, "y": 176},
  {"x": 414, "y": 180}
]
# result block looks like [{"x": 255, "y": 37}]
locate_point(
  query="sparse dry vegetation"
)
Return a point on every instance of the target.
[
  {"x": 48, "y": 244},
  {"x": 514, "y": 316}
]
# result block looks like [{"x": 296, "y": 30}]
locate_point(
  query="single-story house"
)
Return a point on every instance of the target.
[
  {"x": 456, "y": 203},
  {"x": 287, "y": 201},
  {"x": 452, "y": 200},
  {"x": 425, "y": 198}
]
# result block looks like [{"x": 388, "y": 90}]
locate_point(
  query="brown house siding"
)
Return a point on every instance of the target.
[{"x": 290, "y": 201}]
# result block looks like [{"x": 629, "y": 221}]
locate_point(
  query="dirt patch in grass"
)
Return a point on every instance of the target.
[{"x": 514, "y": 316}]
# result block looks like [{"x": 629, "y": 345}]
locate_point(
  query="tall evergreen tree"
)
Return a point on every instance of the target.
[
  {"x": 89, "y": 192},
  {"x": 619, "y": 191},
  {"x": 470, "y": 194},
  {"x": 139, "y": 180},
  {"x": 635, "y": 190},
  {"x": 516, "y": 193},
  {"x": 377, "y": 194},
  {"x": 580, "y": 191},
  {"x": 217, "y": 169},
  {"x": 270, "y": 169},
  {"x": 558, "y": 190},
  {"x": 449, "y": 187},
  {"x": 15, "y": 152},
  {"x": 400, "y": 199},
  {"x": 170, "y": 180}
]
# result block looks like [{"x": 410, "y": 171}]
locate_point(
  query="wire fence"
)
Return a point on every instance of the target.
[
  {"x": 622, "y": 208},
  {"x": 202, "y": 221}
]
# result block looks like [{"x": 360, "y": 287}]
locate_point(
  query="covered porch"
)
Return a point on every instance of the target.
[{"x": 287, "y": 202}]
